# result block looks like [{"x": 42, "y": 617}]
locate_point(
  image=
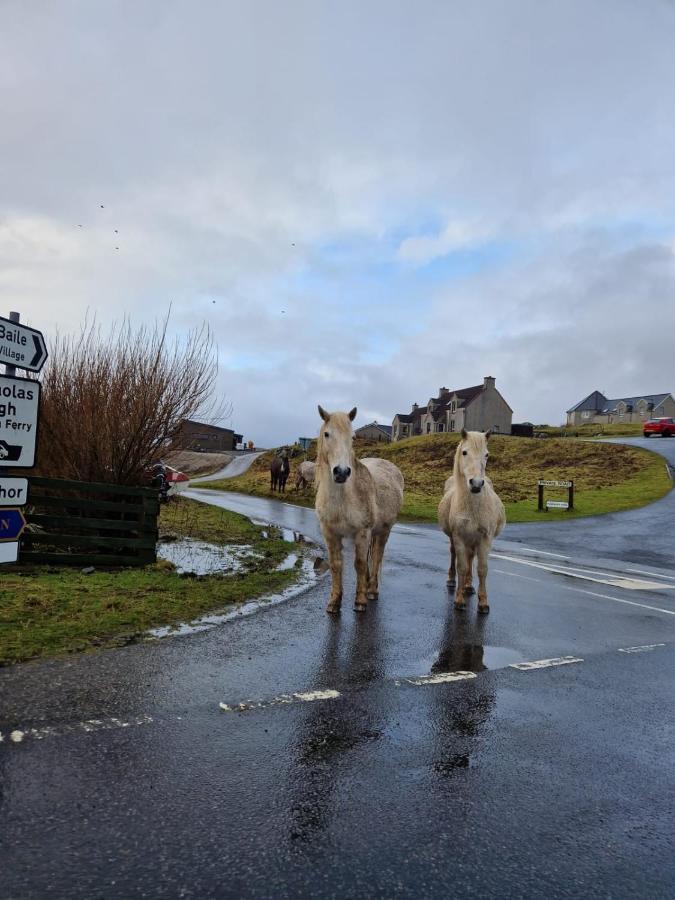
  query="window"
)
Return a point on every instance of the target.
[
  {"x": 441, "y": 427},
  {"x": 428, "y": 427},
  {"x": 452, "y": 424},
  {"x": 586, "y": 414}
]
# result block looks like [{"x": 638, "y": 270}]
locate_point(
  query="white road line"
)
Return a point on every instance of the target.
[
  {"x": 546, "y": 663},
  {"x": 643, "y": 649},
  {"x": 437, "y": 678},
  {"x": 283, "y": 699},
  {"x": 653, "y": 574},
  {"x": 546, "y": 553},
  {"x": 668, "y": 612},
  {"x": 18, "y": 735},
  {"x": 630, "y": 584}
]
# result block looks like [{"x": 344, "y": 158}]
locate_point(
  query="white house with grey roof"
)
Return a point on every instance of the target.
[{"x": 596, "y": 409}]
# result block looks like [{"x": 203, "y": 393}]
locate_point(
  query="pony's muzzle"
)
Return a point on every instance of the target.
[
  {"x": 341, "y": 474},
  {"x": 476, "y": 485}
]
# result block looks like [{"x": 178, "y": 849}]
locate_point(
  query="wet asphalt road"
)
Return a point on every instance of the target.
[{"x": 550, "y": 782}]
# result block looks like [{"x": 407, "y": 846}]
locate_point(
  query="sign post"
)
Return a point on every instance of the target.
[
  {"x": 23, "y": 348},
  {"x": 555, "y": 504}
]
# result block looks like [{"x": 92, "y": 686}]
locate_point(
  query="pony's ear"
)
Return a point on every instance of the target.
[
  {"x": 464, "y": 434},
  {"x": 324, "y": 415},
  {"x": 352, "y": 414},
  {"x": 487, "y": 434}
]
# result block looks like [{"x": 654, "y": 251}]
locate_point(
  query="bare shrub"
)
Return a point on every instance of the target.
[{"x": 112, "y": 402}]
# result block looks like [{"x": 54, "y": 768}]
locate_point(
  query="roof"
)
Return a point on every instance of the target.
[
  {"x": 205, "y": 425},
  {"x": 597, "y": 402},
  {"x": 441, "y": 404},
  {"x": 386, "y": 429}
]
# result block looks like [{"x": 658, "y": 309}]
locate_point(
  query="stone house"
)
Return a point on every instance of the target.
[
  {"x": 374, "y": 432},
  {"x": 596, "y": 409},
  {"x": 202, "y": 437},
  {"x": 477, "y": 408}
]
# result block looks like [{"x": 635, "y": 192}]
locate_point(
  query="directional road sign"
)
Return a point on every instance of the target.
[
  {"x": 21, "y": 346},
  {"x": 9, "y": 552},
  {"x": 19, "y": 406},
  {"x": 12, "y": 523},
  {"x": 13, "y": 491}
]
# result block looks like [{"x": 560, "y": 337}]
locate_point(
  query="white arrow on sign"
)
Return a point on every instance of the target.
[
  {"x": 21, "y": 346},
  {"x": 13, "y": 491},
  {"x": 19, "y": 406}
]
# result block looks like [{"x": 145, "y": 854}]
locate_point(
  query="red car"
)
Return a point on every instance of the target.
[{"x": 664, "y": 427}]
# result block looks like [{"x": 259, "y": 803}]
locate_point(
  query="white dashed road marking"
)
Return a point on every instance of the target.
[
  {"x": 546, "y": 663},
  {"x": 282, "y": 700},
  {"x": 18, "y": 735},
  {"x": 437, "y": 678},
  {"x": 643, "y": 649}
]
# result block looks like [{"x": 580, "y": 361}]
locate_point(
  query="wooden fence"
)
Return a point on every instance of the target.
[{"x": 86, "y": 524}]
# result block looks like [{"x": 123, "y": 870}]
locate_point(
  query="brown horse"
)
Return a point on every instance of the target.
[
  {"x": 279, "y": 470},
  {"x": 357, "y": 499},
  {"x": 472, "y": 515}
]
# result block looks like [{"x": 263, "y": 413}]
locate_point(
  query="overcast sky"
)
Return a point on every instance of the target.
[{"x": 365, "y": 200}]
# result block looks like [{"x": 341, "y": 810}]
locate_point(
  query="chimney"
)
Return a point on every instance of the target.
[
  {"x": 442, "y": 391},
  {"x": 415, "y": 406},
  {"x": 488, "y": 382}
]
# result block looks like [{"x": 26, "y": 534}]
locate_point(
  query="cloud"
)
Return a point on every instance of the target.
[{"x": 322, "y": 185}]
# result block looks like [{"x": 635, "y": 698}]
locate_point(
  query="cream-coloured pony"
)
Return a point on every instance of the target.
[
  {"x": 305, "y": 474},
  {"x": 472, "y": 515},
  {"x": 358, "y": 499}
]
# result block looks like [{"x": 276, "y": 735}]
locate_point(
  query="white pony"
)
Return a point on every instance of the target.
[
  {"x": 358, "y": 499},
  {"x": 305, "y": 474},
  {"x": 472, "y": 515}
]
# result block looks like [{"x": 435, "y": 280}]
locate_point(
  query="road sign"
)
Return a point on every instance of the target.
[
  {"x": 9, "y": 552},
  {"x": 557, "y": 504},
  {"x": 13, "y": 491},
  {"x": 19, "y": 406},
  {"x": 12, "y": 523},
  {"x": 21, "y": 346}
]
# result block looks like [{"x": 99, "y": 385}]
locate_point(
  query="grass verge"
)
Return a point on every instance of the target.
[
  {"x": 47, "y": 610},
  {"x": 607, "y": 477}
]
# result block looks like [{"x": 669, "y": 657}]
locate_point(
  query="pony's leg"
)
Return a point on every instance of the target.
[
  {"x": 377, "y": 546},
  {"x": 483, "y": 553},
  {"x": 452, "y": 573},
  {"x": 361, "y": 545},
  {"x": 463, "y": 573},
  {"x": 468, "y": 587},
  {"x": 334, "y": 543}
]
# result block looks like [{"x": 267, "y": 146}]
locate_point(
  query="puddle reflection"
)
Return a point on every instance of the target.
[
  {"x": 331, "y": 735},
  {"x": 459, "y": 717}
]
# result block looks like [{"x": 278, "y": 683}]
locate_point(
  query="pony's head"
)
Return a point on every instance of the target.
[
  {"x": 471, "y": 458},
  {"x": 335, "y": 448}
]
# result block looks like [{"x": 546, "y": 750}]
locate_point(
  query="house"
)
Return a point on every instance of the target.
[
  {"x": 200, "y": 436},
  {"x": 596, "y": 409},
  {"x": 374, "y": 432},
  {"x": 477, "y": 408}
]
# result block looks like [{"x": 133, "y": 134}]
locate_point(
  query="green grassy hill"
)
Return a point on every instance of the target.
[{"x": 607, "y": 477}]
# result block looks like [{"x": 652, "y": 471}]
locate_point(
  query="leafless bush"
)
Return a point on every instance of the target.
[{"x": 112, "y": 402}]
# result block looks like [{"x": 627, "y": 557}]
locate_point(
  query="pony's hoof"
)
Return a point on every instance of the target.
[
  {"x": 461, "y": 606},
  {"x": 333, "y": 609},
  {"x": 373, "y": 595},
  {"x": 469, "y": 591},
  {"x": 360, "y": 607},
  {"x": 484, "y": 609}
]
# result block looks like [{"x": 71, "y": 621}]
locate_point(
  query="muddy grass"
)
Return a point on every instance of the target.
[
  {"x": 607, "y": 477},
  {"x": 47, "y": 610}
]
